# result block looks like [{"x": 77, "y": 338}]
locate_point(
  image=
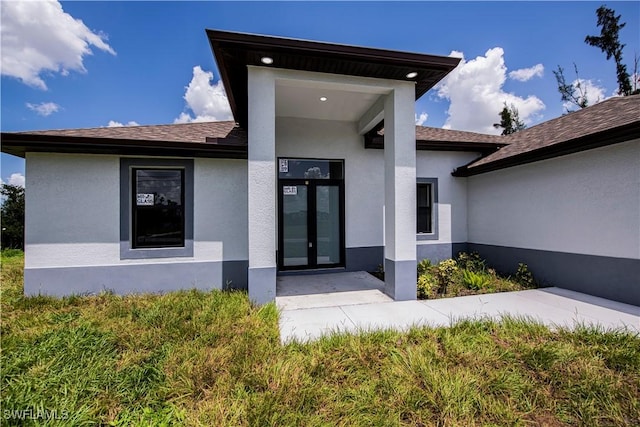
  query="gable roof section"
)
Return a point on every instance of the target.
[
  {"x": 233, "y": 52},
  {"x": 438, "y": 139},
  {"x": 205, "y": 139},
  {"x": 608, "y": 122}
]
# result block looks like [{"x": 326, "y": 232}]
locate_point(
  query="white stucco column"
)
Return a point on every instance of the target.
[
  {"x": 261, "y": 185},
  {"x": 400, "y": 193}
]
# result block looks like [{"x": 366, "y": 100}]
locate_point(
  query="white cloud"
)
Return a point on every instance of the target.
[
  {"x": 44, "y": 108},
  {"x": 16, "y": 179},
  {"x": 525, "y": 74},
  {"x": 474, "y": 90},
  {"x": 421, "y": 119},
  {"x": 591, "y": 91},
  {"x": 207, "y": 101},
  {"x": 38, "y": 36},
  {"x": 114, "y": 124}
]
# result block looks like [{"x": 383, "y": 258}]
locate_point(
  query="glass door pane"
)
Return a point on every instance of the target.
[
  {"x": 294, "y": 223},
  {"x": 328, "y": 224}
]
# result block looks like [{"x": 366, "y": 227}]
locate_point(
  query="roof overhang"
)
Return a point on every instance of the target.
[
  {"x": 18, "y": 144},
  {"x": 233, "y": 52},
  {"x": 372, "y": 140},
  {"x": 604, "y": 138}
]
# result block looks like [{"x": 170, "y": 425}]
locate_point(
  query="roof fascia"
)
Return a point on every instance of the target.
[
  {"x": 20, "y": 144},
  {"x": 600, "y": 139}
]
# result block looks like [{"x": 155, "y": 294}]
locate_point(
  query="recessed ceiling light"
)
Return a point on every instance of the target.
[
  {"x": 266, "y": 60},
  {"x": 323, "y": 98},
  {"x": 412, "y": 75}
]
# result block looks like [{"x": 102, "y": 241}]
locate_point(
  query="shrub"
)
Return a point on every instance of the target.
[
  {"x": 11, "y": 253},
  {"x": 445, "y": 273},
  {"x": 424, "y": 266},
  {"x": 472, "y": 262},
  {"x": 427, "y": 287},
  {"x": 524, "y": 277},
  {"x": 475, "y": 281}
]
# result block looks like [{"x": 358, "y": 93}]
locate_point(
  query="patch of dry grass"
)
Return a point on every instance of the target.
[{"x": 211, "y": 358}]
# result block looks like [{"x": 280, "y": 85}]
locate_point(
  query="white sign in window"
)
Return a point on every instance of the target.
[
  {"x": 290, "y": 190},
  {"x": 284, "y": 165},
  {"x": 144, "y": 199}
]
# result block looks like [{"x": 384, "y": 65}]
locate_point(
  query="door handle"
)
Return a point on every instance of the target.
[{"x": 310, "y": 244}]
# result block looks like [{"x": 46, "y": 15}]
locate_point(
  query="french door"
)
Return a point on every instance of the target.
[{"x": 311, "y": 223}]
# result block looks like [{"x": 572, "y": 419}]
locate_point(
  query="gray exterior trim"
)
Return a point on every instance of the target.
[
  {"x": 312, "y": 271},
  {"x": 607, "y": 277},
  {"x": 456, "y": 248},
  {"x": 235, "y": 274},
  {"x": 436, "y": 252},
  {"x": 400, "y": 279},
  {"x": 123, "y": 279},
  {"x": 439, "y": 251},
  {"x": 126, "y": 252},
  {"x": 434, "y": 214},
  {"x": 262, "y": 284},
  {"x": 366, "y": 258}
]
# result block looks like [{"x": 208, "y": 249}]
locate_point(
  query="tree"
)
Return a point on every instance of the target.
[
  {"x": 510, "y": 120},
  {"x": 572, "y": 93},
  {"x": 12, "y": 215},
  {"x": 636, "y": 75},
  {"x": 609, "y": 43}
]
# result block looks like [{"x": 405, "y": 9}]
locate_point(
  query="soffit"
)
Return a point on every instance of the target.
[
  {"x": 305, "y": 102},
  {"x": 233, "y": 52}
]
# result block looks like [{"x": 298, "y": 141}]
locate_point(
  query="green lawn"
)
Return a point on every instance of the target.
[{"x": 213, "y": 359}]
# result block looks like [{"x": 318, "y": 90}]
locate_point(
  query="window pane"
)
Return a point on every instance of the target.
[
  {"x": 328, "y": 224},
  {"x": 310, "y": 169},
  {"x": 158, "y": 214},
  {"x": 294, "y": 223},
  {"x": 424, "y": 208}
]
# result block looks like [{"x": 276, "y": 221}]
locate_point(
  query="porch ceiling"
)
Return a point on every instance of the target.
[
  {"x": 235, "y": 51},
  {"x": 307, "y": 102}
]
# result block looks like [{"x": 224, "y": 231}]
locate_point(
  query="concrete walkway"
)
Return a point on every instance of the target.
[{"x": 315, "y": 305}]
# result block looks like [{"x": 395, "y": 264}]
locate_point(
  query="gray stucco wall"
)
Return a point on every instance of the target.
[
  {"x": 607, "y": 277},
  {"x": 575, "y": 220},
  {"x": 73, "y": 219}
]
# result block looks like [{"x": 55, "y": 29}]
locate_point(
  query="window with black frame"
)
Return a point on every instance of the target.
[
  {"x": 424, "y": 215},
  {"x": 158, "y": 208}
]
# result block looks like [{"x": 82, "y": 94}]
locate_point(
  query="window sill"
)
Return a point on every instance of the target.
[
  {"x": 126, "y": 252},
  {"x": 427, "y": 236}
]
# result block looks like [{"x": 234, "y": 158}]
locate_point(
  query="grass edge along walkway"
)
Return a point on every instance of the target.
[{"x": 212, "y": 358}]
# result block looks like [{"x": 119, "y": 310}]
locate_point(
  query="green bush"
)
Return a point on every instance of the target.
[
  {"x": 472, "y": 262},
  {"x": 427, "y": 286},
  {"x": 424, "y": 266},
  {"x": 467, "y": 274},
  {"x": 524, "y": 277},
  {"x": 11, "y": 253},
  {"x": 475, "y": 281},
  {"x": 445, "y": 273}
]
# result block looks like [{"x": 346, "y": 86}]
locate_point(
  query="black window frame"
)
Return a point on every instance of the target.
[
  {"x": 432, "y": 185},
  {"x": 137, "y": 209},
  {"x": 128, "y": 249}
]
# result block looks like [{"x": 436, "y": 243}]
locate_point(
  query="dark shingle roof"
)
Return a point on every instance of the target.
[
  {"x": 205, "y": 139},
  {"x": 429, "y": 138},
  {"x": 614, "y": 120},
  {"x": 615, "y": 113},
  {"x": 424, "y": 133},
  {"x": 185, "y": 132}
]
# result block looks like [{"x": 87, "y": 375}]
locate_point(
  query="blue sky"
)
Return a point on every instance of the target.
[{"x": 149, "y": 62}]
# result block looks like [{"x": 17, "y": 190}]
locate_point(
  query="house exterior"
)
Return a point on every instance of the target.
[{"x": 323, "y": 169}]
